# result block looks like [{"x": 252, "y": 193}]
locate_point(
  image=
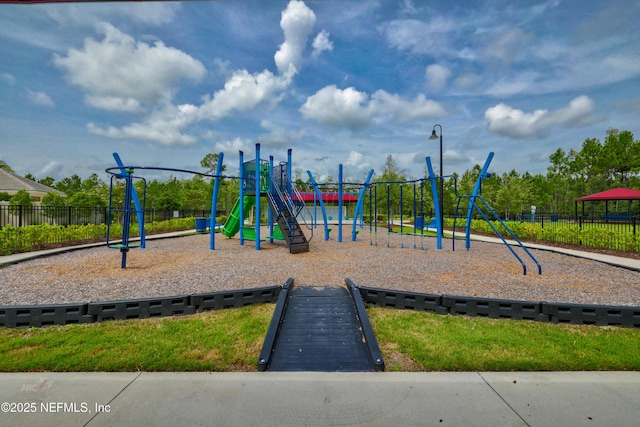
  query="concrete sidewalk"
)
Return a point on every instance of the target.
[{"x": 321, "y": 399}]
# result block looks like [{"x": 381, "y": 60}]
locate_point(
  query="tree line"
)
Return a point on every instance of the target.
[{"x": 596, "y": 166}]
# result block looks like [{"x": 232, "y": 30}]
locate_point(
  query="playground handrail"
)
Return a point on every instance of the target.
[{"x": 294, "y": 208}]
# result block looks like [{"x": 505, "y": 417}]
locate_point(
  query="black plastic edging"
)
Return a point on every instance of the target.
[
  {"x": 582, "y": 314},
  {"x": 592, "y": 314},
  {"x": 269, "y": 340},
  {"x": 367, "y": 330},
  {"x": 64, "y": 314}
]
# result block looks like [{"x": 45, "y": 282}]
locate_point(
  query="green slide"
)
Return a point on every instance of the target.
[{"x": 232, "y": 226}]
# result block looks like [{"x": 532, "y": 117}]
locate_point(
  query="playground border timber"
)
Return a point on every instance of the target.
[{"x": 556, "y": 312}]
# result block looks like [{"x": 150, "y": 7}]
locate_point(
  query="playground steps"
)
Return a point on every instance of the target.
[
  {"x": 320, "y": 329},
  {"x": 291, "y": 230}
]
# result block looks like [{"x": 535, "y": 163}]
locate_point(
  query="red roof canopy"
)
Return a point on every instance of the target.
[
  {"x": 613, "y": 194},
  {"x": 330, "y": 197}
]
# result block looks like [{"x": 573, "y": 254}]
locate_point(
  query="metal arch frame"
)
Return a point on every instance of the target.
[{"x": 214, "y": 199}]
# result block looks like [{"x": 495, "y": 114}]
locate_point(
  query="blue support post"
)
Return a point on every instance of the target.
[
  {"x": 269, "y": 211},
  {"x": 474, "y": 195},
  {"x": 126, "y": 221},
  {"x": 340, "y": 203},
  {"x": 434, "y": 190},
  {"x": 401, "y": 216},
  {"x": 389, "y": 219},
  {"x": 136, "y": 202},
  {"x": 289, "y": 175},
  {"x": 214, "y": 202},
  {"x": 314, "y": 184},
  {"x": 241, "y": 197},
  {"x": 258, "y": 173},
  {"x": 359, "y": 205}
]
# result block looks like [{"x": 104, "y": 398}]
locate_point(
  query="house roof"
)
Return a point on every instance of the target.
[
  {"x": 12, "y": 183},
  {"x": 613, "y": 194}
]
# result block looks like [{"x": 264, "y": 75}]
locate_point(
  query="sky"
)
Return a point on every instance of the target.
[{"x": 337, "y": 81}]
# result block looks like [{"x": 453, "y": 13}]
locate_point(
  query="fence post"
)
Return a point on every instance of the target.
[{"x": 19, "y": 215}]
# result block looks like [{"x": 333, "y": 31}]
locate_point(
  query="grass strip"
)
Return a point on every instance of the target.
[
  {"x": 230, "y": 341},
  {"x": 423, "y": 341},
  {"x": 225, "y": 340}
]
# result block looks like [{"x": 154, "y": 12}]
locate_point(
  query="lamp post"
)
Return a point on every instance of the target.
[{"x": 435, "y": 136}]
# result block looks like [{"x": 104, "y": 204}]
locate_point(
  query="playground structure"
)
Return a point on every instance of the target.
[
  {"x": 485, "y": 211},
  {"x": 258, "y": 178},
  {"x": 261, "y": 178},
  {"x": 287, "y": 213},
  {"x": 127, "y": 173}
]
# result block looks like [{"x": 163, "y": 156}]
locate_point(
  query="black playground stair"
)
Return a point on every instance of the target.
[
  {"x": 323, "y": 329},
  {"x": 286, "y": 218}
]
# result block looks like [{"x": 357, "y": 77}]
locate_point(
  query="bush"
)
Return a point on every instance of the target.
[{"x": 36, "y": 237}]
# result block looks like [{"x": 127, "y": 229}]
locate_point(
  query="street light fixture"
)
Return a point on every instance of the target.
[{"x": 435, "y": 136}]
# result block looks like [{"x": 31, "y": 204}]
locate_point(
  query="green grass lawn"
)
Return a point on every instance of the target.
[
  {"x": 225, "y": 340},
  {"x": 426, "y": 341},
  {"x": 231, "y": 340}
]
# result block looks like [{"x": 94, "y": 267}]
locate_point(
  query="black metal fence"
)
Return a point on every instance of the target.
[
  {"x": 612, "y": 231},
  {"x": 21, "y": 216}
]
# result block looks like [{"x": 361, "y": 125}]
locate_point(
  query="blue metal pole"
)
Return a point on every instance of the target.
[
  {"x": 289, "y": 170},
  {"x": 269, "y": 211},
  {"x": 241, "y": 198},
  {"x": 340, "y": 203},
  {"x": 126, "y": 222},
  {"x": 214, "y": 202},
  {"x": 136, "y": 201},
  {"x": 388, "y": 213},
  {"x": 324, "y": 211},
  {"x": 436, "y": 204},
  {"x": 401, "y": 215},
  {"x": 474, "y": 195},
  {"x": 359, "y": 205},
  {"x": 415, "y": 214},
  {"x": 258, "y": 172}
]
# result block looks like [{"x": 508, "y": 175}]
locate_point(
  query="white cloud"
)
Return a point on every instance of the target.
[
  {"x": 51, "y": 169},
  {"x": 338, "y": 107},
  {"x": 243, "y": 92},
  {"x": 355, "y": 158},
  {"x": 507, "y": 45},
  {"x": 156, "y": 13},
  {"x": 437, "y": 76},
  {"x": 233, "y": 146},
  {"x": 297, "y": 22},
  {"x": 321, "y": 43},
  {"x": 349, "y": 108},
  {"x": 8, "y": 78},
  {"x": 126, "y": 72},
  {"x": 164, "y": 127},
  {"x": 514, "y": 84},
  {"x": 40, "y": 98},
  {"x": 278, "y": 137},
  {"x": 513, "y": 123},
  {"x": 420, "y": 37},
  {"x": 112, "y": 103},
  {"x": 386, "y": 105}
]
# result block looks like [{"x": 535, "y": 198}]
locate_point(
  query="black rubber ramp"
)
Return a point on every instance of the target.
[{"x": 321, "y": 329}]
